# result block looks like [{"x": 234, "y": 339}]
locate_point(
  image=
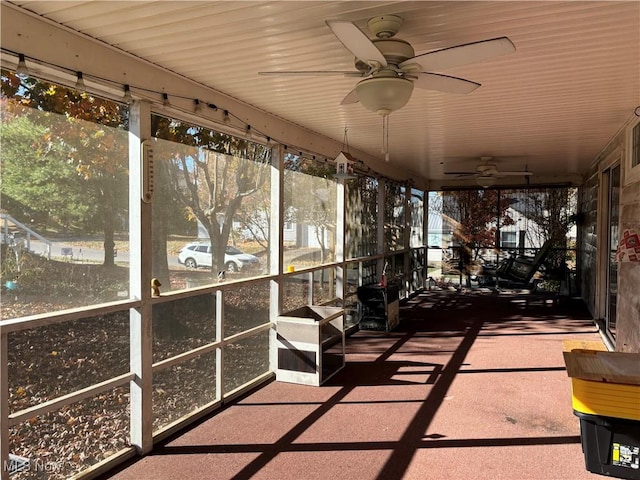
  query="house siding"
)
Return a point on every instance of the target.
[
  {"x": 628, "y": 301},
  {"x": 628, "y": 339}
]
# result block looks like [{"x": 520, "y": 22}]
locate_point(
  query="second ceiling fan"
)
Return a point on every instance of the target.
[
  {"x": 390, "y": 68},
  {"x": 487, "y": 172}
]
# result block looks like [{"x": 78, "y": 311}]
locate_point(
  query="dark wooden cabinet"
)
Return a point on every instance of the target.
[{"x": 379, "y": 307}]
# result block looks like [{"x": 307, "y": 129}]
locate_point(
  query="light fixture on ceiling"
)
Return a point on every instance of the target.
[
  {"x": 127, "y": 95},
  {"x": 486, "y": 181},
  {"x": 22, "y": 72},
  {"x": 80, "y": 82},
  {"x": 384, "y": 93},
  {"x": 165, "y": 101},
  {"x": 197, "y": 106}
]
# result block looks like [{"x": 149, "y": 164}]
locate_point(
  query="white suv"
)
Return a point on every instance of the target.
[{"x": 194, "y": 255}]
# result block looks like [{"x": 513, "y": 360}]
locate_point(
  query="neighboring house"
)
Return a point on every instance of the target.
[
  {"x": 300, "y": 235},
  {"x": 441, "y": 229}
]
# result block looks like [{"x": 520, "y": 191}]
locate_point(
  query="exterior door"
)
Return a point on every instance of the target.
[{"x": 611, "y": 182}]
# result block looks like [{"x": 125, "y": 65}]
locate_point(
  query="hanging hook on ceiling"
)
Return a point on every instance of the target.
[{"x": 345, "y": 140}]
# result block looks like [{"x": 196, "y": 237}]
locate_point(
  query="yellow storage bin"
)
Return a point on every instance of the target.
[
  {"x": 606, "y": 399},
  {"x": 605, "y": 391}
]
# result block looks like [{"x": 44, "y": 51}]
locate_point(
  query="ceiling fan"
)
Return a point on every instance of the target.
[
  {"x": 486, "y": 173},
  {"x": 390, "y": 69}
]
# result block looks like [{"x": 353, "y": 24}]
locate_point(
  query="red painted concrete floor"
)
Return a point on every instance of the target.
[{"x": 469, "y": 386}]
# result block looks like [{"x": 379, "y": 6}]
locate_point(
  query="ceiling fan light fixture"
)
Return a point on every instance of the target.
[
  {"x": 384, "y": 95},
  {"x": 22, "y": 72},
  {"x": 486, "y": 181}
]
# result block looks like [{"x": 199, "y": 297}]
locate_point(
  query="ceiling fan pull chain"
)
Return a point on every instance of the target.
[{"x": 385, "y": 137}]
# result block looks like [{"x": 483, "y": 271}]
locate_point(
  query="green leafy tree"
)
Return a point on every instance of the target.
[
  {"x": 35, "y": 173},
  {"x": 91, "y": 134}
]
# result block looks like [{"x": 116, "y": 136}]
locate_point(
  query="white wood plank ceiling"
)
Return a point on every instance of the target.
[{"x": 552, "y": 106}]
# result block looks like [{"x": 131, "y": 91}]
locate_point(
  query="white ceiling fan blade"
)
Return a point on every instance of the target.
[
  {"x": 444, "y": 83},
  {"x": 352, "y": 97},
  {"x": 356, "y": 42},
  {"x": 462, "y": 54},
  {"x": 311, "y": 73}
]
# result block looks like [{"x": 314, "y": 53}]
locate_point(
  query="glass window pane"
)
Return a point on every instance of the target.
[
  {"x": 246, "y": 306},
  {"x": 212, "y": 191},
  {"x": 361, "y": 217},
  {"x": 64, "y": 196},
  {"x": 245, "y": 360},
  {"x": 480, "y": 228},
  {"x": 395, "y": 272},
  {"x": 296, "y": 291},
  {"x": 54, "y": 360},
  {"x": 310, "y": 199},
  {"x": 65, "y": 442},
  {"x": 418, "y": 258},
  {"x": 394, "y": 215},
  {"x": 183, "y": 325},
  {"x": 324, "y": 286},
  {"x": 183, "y": 389},
  {"x": 417, "y": 218},
  {"x": 540, "y": 215},
  {"x": 351, "y": 295}
]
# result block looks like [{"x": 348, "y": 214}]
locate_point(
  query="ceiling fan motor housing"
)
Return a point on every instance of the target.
[
  {"x": 394, "y": 50},
  {"x": 385, "y": 26},
  {"x": 487, "y": 169}
]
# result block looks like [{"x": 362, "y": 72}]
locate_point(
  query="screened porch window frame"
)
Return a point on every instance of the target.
[{"x": 632, "y": 153}]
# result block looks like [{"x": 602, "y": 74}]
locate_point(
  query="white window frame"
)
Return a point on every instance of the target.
[
  {"x": 506, "y": 242},
  {"x": 631, "y": 173}
]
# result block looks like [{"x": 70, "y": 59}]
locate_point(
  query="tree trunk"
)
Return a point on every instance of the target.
[
  {"x": 109, "y": 244},
  {"x": 160, "y": 222}
]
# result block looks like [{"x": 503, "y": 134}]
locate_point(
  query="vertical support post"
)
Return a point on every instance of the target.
[
  {"x": 381, "y": 244},
  {"x": 219, "y": 351},
  {"x": 140, "y": 320},
  {"x": 311, "y": 283},
  {"x": 4, "y": 406},
  {"x": 341, "y": 215},
  {"x": 498, "y": 234},
  {"x": 276, "y": 247},
  {"x": 5, "y": 227},
  {"x": 408, "y": 216},
  {"x": 425, "y": 236}
]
